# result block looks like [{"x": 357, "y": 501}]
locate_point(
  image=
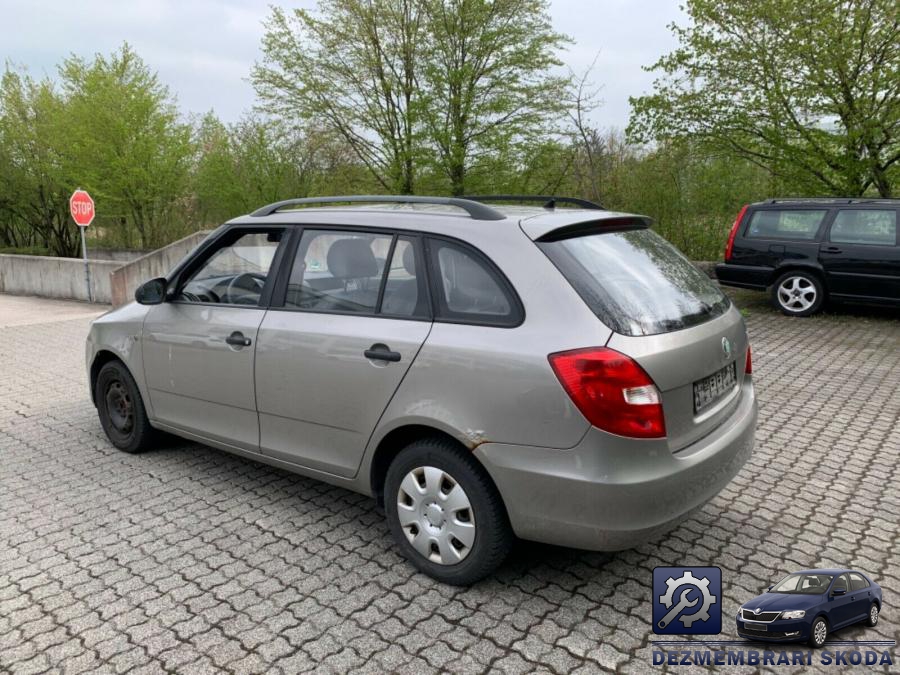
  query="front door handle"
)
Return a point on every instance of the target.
[
  {"x": 381, "y": 352},
  {"x": 237, "y": 339},
  {"x": 832, "y": 249}
]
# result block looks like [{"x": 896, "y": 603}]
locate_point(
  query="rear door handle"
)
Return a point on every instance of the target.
[
  {"x": 832, "y": 249},
  {"x": 381, "y": 352},
  {"x": 237, "y": 339}
]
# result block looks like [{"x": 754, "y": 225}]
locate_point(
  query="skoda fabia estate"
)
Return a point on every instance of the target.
[
  {"x": 809, "y": 605},
  {"x": 559, "y": 374}
]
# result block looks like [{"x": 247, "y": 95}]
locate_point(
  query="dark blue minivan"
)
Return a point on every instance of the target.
[{"x": 809, "y": 605}]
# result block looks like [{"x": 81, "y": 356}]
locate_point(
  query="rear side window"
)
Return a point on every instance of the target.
[
  {"x": 869, "y": 227},
  {"x": 636, "y": 282},
  {"x": 786, "y": 224},
  {"x": 468, "y": 289}
]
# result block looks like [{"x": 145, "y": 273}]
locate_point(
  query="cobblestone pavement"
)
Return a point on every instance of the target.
[{"x": 188, "y": 559}]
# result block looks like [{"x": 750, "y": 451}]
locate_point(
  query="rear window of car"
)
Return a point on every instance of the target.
[
  {"x": 636, "y": 282},
  {"x": 786, "y": 224}
]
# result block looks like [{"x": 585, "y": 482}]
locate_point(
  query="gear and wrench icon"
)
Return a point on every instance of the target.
[{"x": 701, "y": 584}]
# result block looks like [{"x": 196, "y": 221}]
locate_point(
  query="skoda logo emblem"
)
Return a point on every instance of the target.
[
  {"x": 757, "y": 610},
  {"x": 726, "y": 346}
]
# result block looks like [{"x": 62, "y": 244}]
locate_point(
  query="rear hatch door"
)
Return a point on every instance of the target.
[{"x": 664, "y": 313}]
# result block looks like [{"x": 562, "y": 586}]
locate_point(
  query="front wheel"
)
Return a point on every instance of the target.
[
  {"x": 445, "y": 513},
  {"x": 798, "y": 293},
  {"x": 121, "y": 409},
  {"x": 818, "y": 633}
]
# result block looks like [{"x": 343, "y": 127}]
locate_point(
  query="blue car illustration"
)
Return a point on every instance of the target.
[{"x": 809, "y": 605}]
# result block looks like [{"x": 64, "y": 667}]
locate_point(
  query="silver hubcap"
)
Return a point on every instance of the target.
[
  {"x": 873, "y": 614},
  {"x": 436, "y": 515},
  {"x": 797, "y": 294},
  {"x": 820, "y": 632}
]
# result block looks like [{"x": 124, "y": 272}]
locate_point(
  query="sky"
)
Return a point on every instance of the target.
[{"x": 203, "y": 50}]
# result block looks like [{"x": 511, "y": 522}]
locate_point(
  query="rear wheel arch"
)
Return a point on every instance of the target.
[
  {"x": 395, "y": 441},
  {"x": 815, "y": 270}
]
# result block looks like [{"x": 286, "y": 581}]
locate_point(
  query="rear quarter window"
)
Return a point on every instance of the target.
[
  {"x": 785, "y": 223},
  {"x": 636, "y": 282}
]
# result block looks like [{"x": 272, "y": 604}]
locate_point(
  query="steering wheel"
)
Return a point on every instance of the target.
[{"x": 255, "y": 278}]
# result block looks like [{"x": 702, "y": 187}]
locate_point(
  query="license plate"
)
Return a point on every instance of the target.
[
  {"x": 710, "y": 389},
  {"x": 752, "y": 625}
]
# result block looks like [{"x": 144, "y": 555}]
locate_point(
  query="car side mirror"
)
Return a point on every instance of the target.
[
  {"x": 769, "y": 588},
  {"x": 151, "y": 292},
  {"x": 838, "y": 590}
]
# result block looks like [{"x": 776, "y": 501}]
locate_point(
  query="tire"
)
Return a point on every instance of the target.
[
  {"x": 121, "y": 409},
  {"x": 798, "y": 293},
  {"x": 818, "y": 633},
  {"x": 445, "y": 513},
  {"x": 872, "y": 620}
]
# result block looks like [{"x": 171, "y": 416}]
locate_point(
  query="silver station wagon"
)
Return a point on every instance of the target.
[{"x": 560, "y": 374}]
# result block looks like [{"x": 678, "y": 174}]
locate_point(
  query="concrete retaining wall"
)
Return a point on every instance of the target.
[
  {"x": 119, "y": 254},
  {"x": 125, "y": 280},
  {"x": 50, "y": 277}
]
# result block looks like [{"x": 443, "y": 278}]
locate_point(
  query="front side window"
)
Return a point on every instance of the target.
[
  {"x": 868, "y": 227},
  {"x": 467, "y": 288},
  {"x": 786, "y": 224},
  {"x": 857, "y": 582},
  {"x": 810, "y": 584},
  {"x": 236, "y": 272}
]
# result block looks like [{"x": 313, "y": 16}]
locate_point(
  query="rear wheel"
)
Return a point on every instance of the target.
[
  {"x": 873, "y": 615},
  {"x": 445, "y": 513},
  {"x": 121, "y": 409},
  {"x": 819, "y": 633},
  {"x": 798, "y": 293}
]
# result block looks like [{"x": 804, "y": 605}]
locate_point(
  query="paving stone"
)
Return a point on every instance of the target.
[{"x": 187, "y": 559}]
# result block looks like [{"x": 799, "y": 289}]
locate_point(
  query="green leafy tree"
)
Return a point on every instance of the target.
[
  {"x": 34, "y": 190},
  {"x": 125, "y": 142},
  {"x": 808, "y": 89},
  {"x": 487, "y": 80},
  {"x": 349, "y": 69}
]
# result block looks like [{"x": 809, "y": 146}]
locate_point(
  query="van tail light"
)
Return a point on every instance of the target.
[
  {"x": 731, "y": 235},
  {"x": 748, "y": 369},
  {"x": 612, "y": 391}
]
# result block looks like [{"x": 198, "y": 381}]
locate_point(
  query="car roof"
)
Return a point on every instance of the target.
[
  {"x": 805, "y": 202},
  {"x": 829, "y": 570},
  {"x": 442, "y": 219}
]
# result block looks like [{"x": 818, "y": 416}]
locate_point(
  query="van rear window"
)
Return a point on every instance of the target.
[
  {"x": 636, "y": 282},
  {"x": 787, "y": 224}
]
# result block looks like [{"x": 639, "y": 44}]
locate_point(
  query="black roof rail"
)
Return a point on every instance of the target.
[
  {"x": 550, "y": 202},
  {"x": 474, "y": 209},
  {"x": 831, "y": 200}
]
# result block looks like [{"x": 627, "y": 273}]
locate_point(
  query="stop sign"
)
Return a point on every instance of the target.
[{"x": 81, "y": 206}]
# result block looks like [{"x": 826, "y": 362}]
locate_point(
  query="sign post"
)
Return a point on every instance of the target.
[{"x": 81, "y": 206}]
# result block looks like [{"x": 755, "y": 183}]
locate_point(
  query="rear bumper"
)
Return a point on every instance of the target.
[
  {"x": 610, "y": 493},
  {"x": 744, "y": 276}
]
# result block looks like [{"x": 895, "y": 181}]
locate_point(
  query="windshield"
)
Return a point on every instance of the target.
[
  {"x": 636, "y": 282},
  {"x": 808, "y": 584}
]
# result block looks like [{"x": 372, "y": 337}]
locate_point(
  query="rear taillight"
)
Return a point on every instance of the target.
[
  {"x": 748, "y": 368},
  {"x": 611, "y": 391},
  {"x": 734, "y": 228}
]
